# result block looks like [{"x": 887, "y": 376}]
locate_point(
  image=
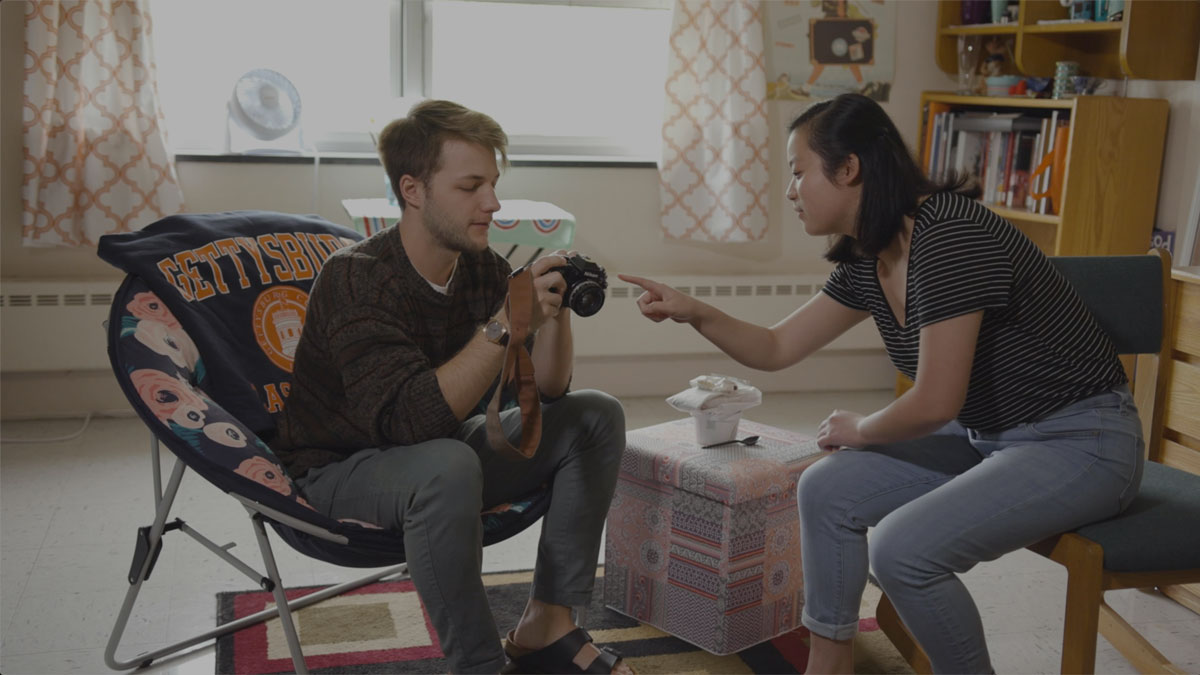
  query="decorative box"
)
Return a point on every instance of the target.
[{"x": 705, "y": 544}]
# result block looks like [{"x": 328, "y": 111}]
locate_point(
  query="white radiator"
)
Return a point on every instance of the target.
[
  {"x": 620, "y": 329},
  {"x": 56, "y": 325}
]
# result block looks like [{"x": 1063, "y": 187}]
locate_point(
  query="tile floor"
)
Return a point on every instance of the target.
[{"x": 69, "y": 510}]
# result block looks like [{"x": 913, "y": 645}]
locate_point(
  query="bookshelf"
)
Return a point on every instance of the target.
[
  {"x": 1110, "y": 176},
  {"x": 1155, "y": 40}
]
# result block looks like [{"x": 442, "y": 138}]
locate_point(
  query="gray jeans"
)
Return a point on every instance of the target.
[
  {"x": 434, "y": 492},
  {"x": 941, "y": 504}
]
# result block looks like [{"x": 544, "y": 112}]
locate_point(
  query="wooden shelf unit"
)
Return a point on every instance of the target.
[
  {"x": 1110, "y": 187},
  {"x": 1113, "y": 165},
  {"x": 1155, "y": 40}
]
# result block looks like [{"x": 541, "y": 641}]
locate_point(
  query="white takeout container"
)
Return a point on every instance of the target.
[{"x": 712, "y": 428}]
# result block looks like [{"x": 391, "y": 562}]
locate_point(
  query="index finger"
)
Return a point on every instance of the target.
[
  {"x": 646, "y": 284},
  {"x": 546, "y": 262}
]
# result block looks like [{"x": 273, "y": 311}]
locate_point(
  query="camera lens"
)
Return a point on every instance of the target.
[{"x": 586, "y": 298}]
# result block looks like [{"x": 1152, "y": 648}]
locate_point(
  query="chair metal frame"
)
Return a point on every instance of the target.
[
  {"x": 150, "y": 540},
  {"x": 149, "y": 544},
  {"x": 1087, "y": 614}
]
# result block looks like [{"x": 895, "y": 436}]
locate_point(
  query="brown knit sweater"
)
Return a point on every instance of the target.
[{"x": 375, "y": 331}]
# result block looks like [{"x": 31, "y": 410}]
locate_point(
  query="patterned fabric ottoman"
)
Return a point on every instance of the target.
[{"x": 705, "y": 544}]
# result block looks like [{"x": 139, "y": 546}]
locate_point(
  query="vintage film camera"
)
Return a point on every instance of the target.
[{"x": 586, "y": 282}]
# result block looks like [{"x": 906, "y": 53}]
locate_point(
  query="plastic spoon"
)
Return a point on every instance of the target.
[{"x": 749, "y": 440}]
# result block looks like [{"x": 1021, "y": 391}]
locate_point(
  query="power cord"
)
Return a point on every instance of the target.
[{"x": 57, "y": 439}]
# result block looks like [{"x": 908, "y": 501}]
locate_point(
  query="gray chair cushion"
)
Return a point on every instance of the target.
[
  {"x": 1159, "y": 531},
  {"x": 1124, "y": 293}
]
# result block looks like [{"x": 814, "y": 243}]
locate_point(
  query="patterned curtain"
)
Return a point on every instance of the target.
[
  {"x": 96, "y": 159},
  {"x": 713, "y": 175}
]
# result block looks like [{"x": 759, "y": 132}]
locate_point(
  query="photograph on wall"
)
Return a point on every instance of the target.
[{"x": 822, "y": 48}]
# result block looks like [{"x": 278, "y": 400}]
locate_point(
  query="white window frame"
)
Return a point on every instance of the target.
[
  {"x": 416, "y": 32},
  {"x": 406, "y": 38},
  {"x": 410, "y": 33}
]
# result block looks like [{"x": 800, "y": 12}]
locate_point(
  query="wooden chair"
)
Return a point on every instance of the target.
[{"x": 1154, "y": 543}]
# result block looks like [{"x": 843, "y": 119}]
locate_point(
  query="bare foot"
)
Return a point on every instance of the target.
[{"x": 829, "y": 657}]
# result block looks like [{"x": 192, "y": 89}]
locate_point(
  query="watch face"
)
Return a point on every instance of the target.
[{"x": 494, "y": 331}]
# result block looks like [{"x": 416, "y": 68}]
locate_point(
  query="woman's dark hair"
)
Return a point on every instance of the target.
[{"x": 892, "y": 182}]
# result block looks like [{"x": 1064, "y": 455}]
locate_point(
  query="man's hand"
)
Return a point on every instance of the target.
[
  {"x": 548, "y": 285},
  {"x": 659, "y": 301},
  {"x": 554, "y": 351},
  {"x": 840, "y": 430}
]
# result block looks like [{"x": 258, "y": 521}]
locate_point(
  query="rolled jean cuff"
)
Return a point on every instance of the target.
[
  {"x": 844, "y": 631},
  {"x": 553, "y": 596}
]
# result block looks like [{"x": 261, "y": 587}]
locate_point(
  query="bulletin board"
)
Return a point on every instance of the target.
[
  {"x": 841, "y": 42},
  {"x": 821, "y": 48}
]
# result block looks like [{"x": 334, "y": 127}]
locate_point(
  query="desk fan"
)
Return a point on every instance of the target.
[{"x": 266, "y": 105}]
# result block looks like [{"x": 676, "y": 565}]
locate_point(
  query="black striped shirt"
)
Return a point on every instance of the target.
[{"x": 1039, "y": 348}]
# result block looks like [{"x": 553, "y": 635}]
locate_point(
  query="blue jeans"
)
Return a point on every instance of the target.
[{"x": 943, "y": 503}]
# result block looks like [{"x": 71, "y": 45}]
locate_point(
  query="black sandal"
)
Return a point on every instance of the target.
[{"x": 559, "y": 656}]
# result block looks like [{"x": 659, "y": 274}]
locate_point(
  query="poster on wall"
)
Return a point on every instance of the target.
[{"x": 821, "y": 48}]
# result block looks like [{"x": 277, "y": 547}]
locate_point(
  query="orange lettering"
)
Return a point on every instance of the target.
[
  {"x": 315, "y": 249},
  {"x": 302, "y": 267},
  {"x": 331, "y": 242},
  {"x": 251, "y": 247},
  {"x": 187, "y": 260},
  {"x": 171, "y": 271},
  {"x": 229, "y": 247},
  {"x": 282, "y": 272},
  {"x": 274, "y": 402},
  {"x": 209, "y": 253}
]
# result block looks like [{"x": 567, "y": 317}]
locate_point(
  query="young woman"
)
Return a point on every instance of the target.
[{"x": 1020, "y": 424}]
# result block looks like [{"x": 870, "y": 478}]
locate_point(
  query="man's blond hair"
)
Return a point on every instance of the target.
[{"x": 412, "y": 145}]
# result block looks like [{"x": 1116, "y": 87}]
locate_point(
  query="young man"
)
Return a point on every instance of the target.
[{"x": 405, "y": 334}]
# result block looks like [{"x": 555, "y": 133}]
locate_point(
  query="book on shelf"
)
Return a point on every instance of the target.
[
  {"x": 1062, "y": 134},
  {"x": 1038, "y": 183},
  {"x": 1017, "y": 158},
  {"x": 998, "y": 155},
  {"x": 947, "y": 150},
  {"x": 932, "y": 110},
  {"x": 994, "y": 121},
  {"x": 1043, "y": 183},
  {"x": 1018, "y": 179},
  {"x": 1051, "y": 170},
  {"x": 1039, "y": 144},
  {"x": 1006, "y": 168},
  {"x": 969, "y": 155}
]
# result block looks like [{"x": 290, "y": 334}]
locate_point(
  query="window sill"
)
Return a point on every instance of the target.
[{"x": 370, "y": 159}]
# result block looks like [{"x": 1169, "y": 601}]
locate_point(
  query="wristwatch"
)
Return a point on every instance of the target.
[{"x": 496, "y": 333}]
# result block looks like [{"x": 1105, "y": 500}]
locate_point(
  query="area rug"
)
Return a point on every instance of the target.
[{"x": 382, "y": 628}]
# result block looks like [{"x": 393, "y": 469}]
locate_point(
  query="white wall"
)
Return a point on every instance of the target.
[
  {"x": 1181, "y": 168},
  {"x": 616, "y": 208}
]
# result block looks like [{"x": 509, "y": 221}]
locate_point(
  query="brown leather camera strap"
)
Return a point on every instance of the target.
[{"x": 517, "y": 372}]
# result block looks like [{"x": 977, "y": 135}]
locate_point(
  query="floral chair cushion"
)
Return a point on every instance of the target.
[
  {"x": 237, "y": 283},
  {"x": 168, "y": 376},
  {"x": 163, "y": 374}
]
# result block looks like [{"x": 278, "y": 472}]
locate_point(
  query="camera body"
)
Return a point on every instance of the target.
[{"x": 586, "y": 281}]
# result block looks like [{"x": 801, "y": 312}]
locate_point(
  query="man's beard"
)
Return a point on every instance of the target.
[{"x": 441, "y": 228}]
